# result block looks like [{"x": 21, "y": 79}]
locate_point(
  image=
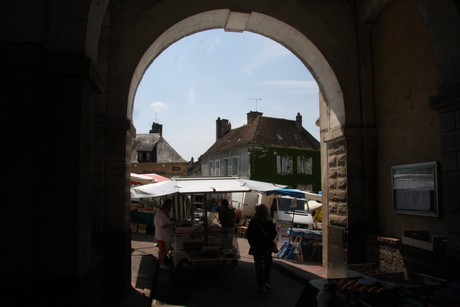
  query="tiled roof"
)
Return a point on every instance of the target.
[
  {"x": 267, "y": 132},
  {"x": 146, "y": 142}
]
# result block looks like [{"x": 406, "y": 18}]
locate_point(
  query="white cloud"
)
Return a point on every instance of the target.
[{"x": 158, "y": 106}]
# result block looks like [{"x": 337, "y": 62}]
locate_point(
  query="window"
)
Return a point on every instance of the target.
[
  {"x": 217, "y": 168},
  {"x": 211, "y": 169},
  {"x": 286, "y": 204},
  {"x": 235, "y": 165},
  {"x": 284, "y": 165},
  {"x": 143, "y": 156},
  {"x": 146, "y": 156},
  {"x": 227, "y": 168},
  {"x": 305, "y": 165}
]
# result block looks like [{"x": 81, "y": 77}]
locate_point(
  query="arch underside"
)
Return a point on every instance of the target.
[{"x": 261, "y": 24}]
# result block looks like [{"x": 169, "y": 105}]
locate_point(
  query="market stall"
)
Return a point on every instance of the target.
[
  {"x": 142, "y": 209},
  {"x": 200, "y": 241}
]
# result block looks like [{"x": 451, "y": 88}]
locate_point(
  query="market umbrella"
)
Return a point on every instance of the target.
[
  {"x": 190, "y": 185},
  {"x": 156, "y": 177},
  {"x": 155, "y": 189},
  {"x": 261, "y": 186},
  {"x": 295, "y": 193},
  {"x": 313, "y": 204},
  {"x": 140, "y": 179}
]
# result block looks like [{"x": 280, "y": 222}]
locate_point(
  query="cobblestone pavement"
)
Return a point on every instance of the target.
[{"x": 176, "y": 287}]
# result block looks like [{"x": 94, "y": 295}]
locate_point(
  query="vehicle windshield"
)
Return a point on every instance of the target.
[{"x": 285, "y": 204}]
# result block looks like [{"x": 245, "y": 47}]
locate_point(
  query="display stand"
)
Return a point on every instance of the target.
[{"x": 193, "y": 247}]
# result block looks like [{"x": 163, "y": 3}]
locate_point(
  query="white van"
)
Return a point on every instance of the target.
[
  {"x": 245, "y": 202},
  {"x": 289, "y": 212},
  {"x": 289, "y": 209}
]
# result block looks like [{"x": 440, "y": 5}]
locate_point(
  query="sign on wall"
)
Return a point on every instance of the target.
[{"x": 415, "y": 189}]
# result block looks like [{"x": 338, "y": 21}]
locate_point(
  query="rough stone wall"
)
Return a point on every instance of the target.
[
  {"x": 337, "y": 209},
  {"x": 337, "y": 185}
]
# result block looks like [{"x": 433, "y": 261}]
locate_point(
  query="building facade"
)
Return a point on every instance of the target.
[
  {"x": 266, "y": 149},
  {"x": 151, "y": 153}
]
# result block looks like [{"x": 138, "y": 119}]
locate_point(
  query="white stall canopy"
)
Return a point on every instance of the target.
[{"x": 190, "y": 185}]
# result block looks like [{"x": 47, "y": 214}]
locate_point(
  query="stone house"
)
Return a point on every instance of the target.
[
  {"x": 151, "y": 153},
  {"x": 266, "y": 149}
]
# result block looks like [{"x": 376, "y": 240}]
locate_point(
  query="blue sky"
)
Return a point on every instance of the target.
[{"x": 222, "y": 74}]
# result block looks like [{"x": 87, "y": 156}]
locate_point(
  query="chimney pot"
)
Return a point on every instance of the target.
[
  {"x": 252, "y": 115},
  {"x": 298, "y": 120}
]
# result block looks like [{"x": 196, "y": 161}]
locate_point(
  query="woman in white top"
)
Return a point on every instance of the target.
[{"x": 164, "y": 227}]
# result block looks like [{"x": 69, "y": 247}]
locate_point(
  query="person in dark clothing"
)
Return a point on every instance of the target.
[
  {"x": 226, "y": 215},
  {"x": 273, "y": 208},
  {"x": 261, "y": 233},
  {"x": 227, "y": 221}
]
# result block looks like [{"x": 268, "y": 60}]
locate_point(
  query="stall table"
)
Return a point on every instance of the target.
[{"x": 192, "y": 248}]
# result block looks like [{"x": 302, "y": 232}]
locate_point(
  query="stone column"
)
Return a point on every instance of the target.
[
  {"x": 352, "y": 214},
  {"x": 49, "y": 98},
  {"x": 337, "y": 216}
]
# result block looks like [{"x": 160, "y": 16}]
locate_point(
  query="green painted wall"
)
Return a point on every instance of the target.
[{"x": 263, "y": 167}]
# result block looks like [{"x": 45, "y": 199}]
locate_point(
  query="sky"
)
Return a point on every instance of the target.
[{"x": 222, "y": 74}]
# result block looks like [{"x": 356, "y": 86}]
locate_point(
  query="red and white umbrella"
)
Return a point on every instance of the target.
[
  {"x": 158, "y": 178},
  {"x": 139, "y": 179}
]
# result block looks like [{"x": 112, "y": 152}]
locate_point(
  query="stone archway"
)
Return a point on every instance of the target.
[
  {"x": 332, "y": 110},
  {"x": 66, "y": 84},
  {"x": 264, "y": 25}
]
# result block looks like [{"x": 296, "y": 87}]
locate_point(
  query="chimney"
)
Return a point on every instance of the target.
[
  {"x": 298, "y": 120},
  {"x": 157, "y": 128},
  {"x": 252, "y": 115},
  {"x": 222, "y": 127}
]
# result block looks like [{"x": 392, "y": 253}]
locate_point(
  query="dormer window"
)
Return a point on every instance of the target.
[{"x": 145, "y": 157}]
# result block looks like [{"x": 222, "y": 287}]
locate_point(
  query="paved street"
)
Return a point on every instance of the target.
[{"x": 210, "y": 287}]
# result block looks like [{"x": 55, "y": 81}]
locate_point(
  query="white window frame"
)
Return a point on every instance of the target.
[
  {"x": 305, "y": 165},
  {"x": 211, "y": 168},
  {"x": 227, "y": 168},
  {"x": 284, "y": 165},
  {"x": 235, "y": 165},
  {"x": 217, "y": 168}
]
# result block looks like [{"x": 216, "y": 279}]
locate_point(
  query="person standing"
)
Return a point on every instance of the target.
[
  {"x": 227, "y": 222},
  {"x": 164, "y": 227},
  {"x": 260, "y": 233}
]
